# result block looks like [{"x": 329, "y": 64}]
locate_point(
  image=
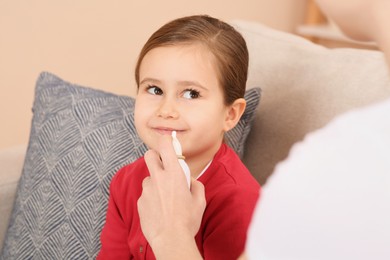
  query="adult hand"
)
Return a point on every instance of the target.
[{"x": 170, "y": 213}]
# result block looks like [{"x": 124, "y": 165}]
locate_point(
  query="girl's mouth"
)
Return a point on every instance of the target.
[{"x": 165, "y": 131}]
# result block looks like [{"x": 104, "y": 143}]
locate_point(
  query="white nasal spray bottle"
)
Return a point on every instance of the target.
[{"x": 179, "y": 153}]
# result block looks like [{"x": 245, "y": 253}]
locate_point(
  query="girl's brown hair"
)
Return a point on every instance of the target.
[{"x": 222, "y": 40}]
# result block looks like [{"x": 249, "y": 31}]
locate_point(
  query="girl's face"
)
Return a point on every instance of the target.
[{"x": 179, "y": 90}]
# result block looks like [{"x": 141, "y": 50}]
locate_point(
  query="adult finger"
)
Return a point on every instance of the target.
[
  {"x": 168, "y": 154},
  {"x": 153, "y": 162},
  {"x": 198, "y": 192},
  {"x": 146, "y": 182}
]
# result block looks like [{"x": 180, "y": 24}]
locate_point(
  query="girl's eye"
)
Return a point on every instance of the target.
[
  {"x": 191, "y": 94},
  {"x": 154, "y": 90}
]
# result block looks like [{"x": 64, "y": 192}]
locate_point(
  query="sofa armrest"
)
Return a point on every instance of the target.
[
  {"x": 304, "y": 86},
  {"x": 11, "y": 164}
]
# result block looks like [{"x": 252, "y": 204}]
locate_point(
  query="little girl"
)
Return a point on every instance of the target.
[{"x": 191, "y": 76}]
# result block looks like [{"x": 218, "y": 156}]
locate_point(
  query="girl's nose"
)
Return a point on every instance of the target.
[{"x": 168, "y": 109}]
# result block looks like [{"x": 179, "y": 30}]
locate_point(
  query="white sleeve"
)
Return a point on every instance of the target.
[{"x": 331, "y": 198}]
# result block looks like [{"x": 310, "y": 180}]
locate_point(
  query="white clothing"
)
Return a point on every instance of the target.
[{"x": 331, "y": 198}]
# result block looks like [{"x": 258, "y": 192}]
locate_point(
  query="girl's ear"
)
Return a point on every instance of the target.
[{"x": 234, "y": 113}]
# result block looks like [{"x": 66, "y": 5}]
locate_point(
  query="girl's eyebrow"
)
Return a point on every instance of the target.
[
  {"x": 151, "y": 80},
  {"x": 186, "y": 83},
  {"x": 182, "y": 83}
]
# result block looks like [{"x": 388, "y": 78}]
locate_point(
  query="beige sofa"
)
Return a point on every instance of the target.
[{"x": 304, "y": 86}]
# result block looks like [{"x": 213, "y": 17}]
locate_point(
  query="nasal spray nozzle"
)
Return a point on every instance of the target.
[{"x": 180, "y": 157}]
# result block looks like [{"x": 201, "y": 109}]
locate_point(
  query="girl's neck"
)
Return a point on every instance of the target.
[{"x": 198, "y": 163}]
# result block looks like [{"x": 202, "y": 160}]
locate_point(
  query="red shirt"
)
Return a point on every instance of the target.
[{"x": 231, "y": 195}]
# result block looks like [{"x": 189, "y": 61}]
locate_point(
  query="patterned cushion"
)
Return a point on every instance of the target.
[{"x": 79, "y": 138}]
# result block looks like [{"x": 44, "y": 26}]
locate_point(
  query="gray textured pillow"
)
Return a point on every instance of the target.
[{"x": 79, "y": 138}]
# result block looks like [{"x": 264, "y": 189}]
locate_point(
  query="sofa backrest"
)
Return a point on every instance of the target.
[{"x": 304, "y": 86}]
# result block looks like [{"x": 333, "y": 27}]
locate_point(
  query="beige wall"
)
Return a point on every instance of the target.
[{"x": 95, "y": 43}]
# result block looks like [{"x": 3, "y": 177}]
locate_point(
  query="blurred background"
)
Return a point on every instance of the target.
[{"x": 95, "y": 43}]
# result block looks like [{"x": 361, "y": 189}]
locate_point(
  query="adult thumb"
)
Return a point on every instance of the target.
[{"x": 198, "y": 193}]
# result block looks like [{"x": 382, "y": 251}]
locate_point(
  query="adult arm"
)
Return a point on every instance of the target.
[{"x": 329, "y": 199}]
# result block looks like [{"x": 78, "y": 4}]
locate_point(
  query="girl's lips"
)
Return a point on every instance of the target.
[{"x": 166, "y": 131}]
